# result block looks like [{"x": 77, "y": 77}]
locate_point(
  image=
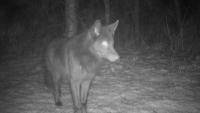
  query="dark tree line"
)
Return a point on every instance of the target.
[{"x": 28, "y": 25}]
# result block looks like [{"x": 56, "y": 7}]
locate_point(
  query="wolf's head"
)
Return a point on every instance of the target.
[{"x": 103, "y": 47}]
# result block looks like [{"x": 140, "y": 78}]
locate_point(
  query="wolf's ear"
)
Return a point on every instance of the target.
[
  {"x": 112, "y": 27},
  {"x": 96, "y": 28}
]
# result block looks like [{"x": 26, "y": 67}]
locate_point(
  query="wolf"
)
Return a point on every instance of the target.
[{"x": 77, "y": 60}]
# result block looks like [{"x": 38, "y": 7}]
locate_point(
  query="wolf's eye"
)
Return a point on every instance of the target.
[{"x": 105, "y": 44}]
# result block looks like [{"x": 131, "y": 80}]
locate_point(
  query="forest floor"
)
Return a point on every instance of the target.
[{"x": 145, "y": 83}]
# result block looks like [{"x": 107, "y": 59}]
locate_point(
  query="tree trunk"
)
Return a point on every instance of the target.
[
  {"x": 178, "y": 13},
  {"x": 107, "y": 11},
  {"x": 71, "y": 18},
  {"x": 137, "y": 23},
  {"x": 92, "y": 9},
  {"x": 178, "y": 16}
]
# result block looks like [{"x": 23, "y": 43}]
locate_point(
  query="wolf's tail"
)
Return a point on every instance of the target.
[{"x": 48, "y": 80}]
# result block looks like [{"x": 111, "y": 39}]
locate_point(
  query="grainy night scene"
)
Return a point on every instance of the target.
[{"x": 100, "y": 56}]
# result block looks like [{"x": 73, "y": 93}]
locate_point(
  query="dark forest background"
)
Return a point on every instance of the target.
[{"x": 165, "y": 26}]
